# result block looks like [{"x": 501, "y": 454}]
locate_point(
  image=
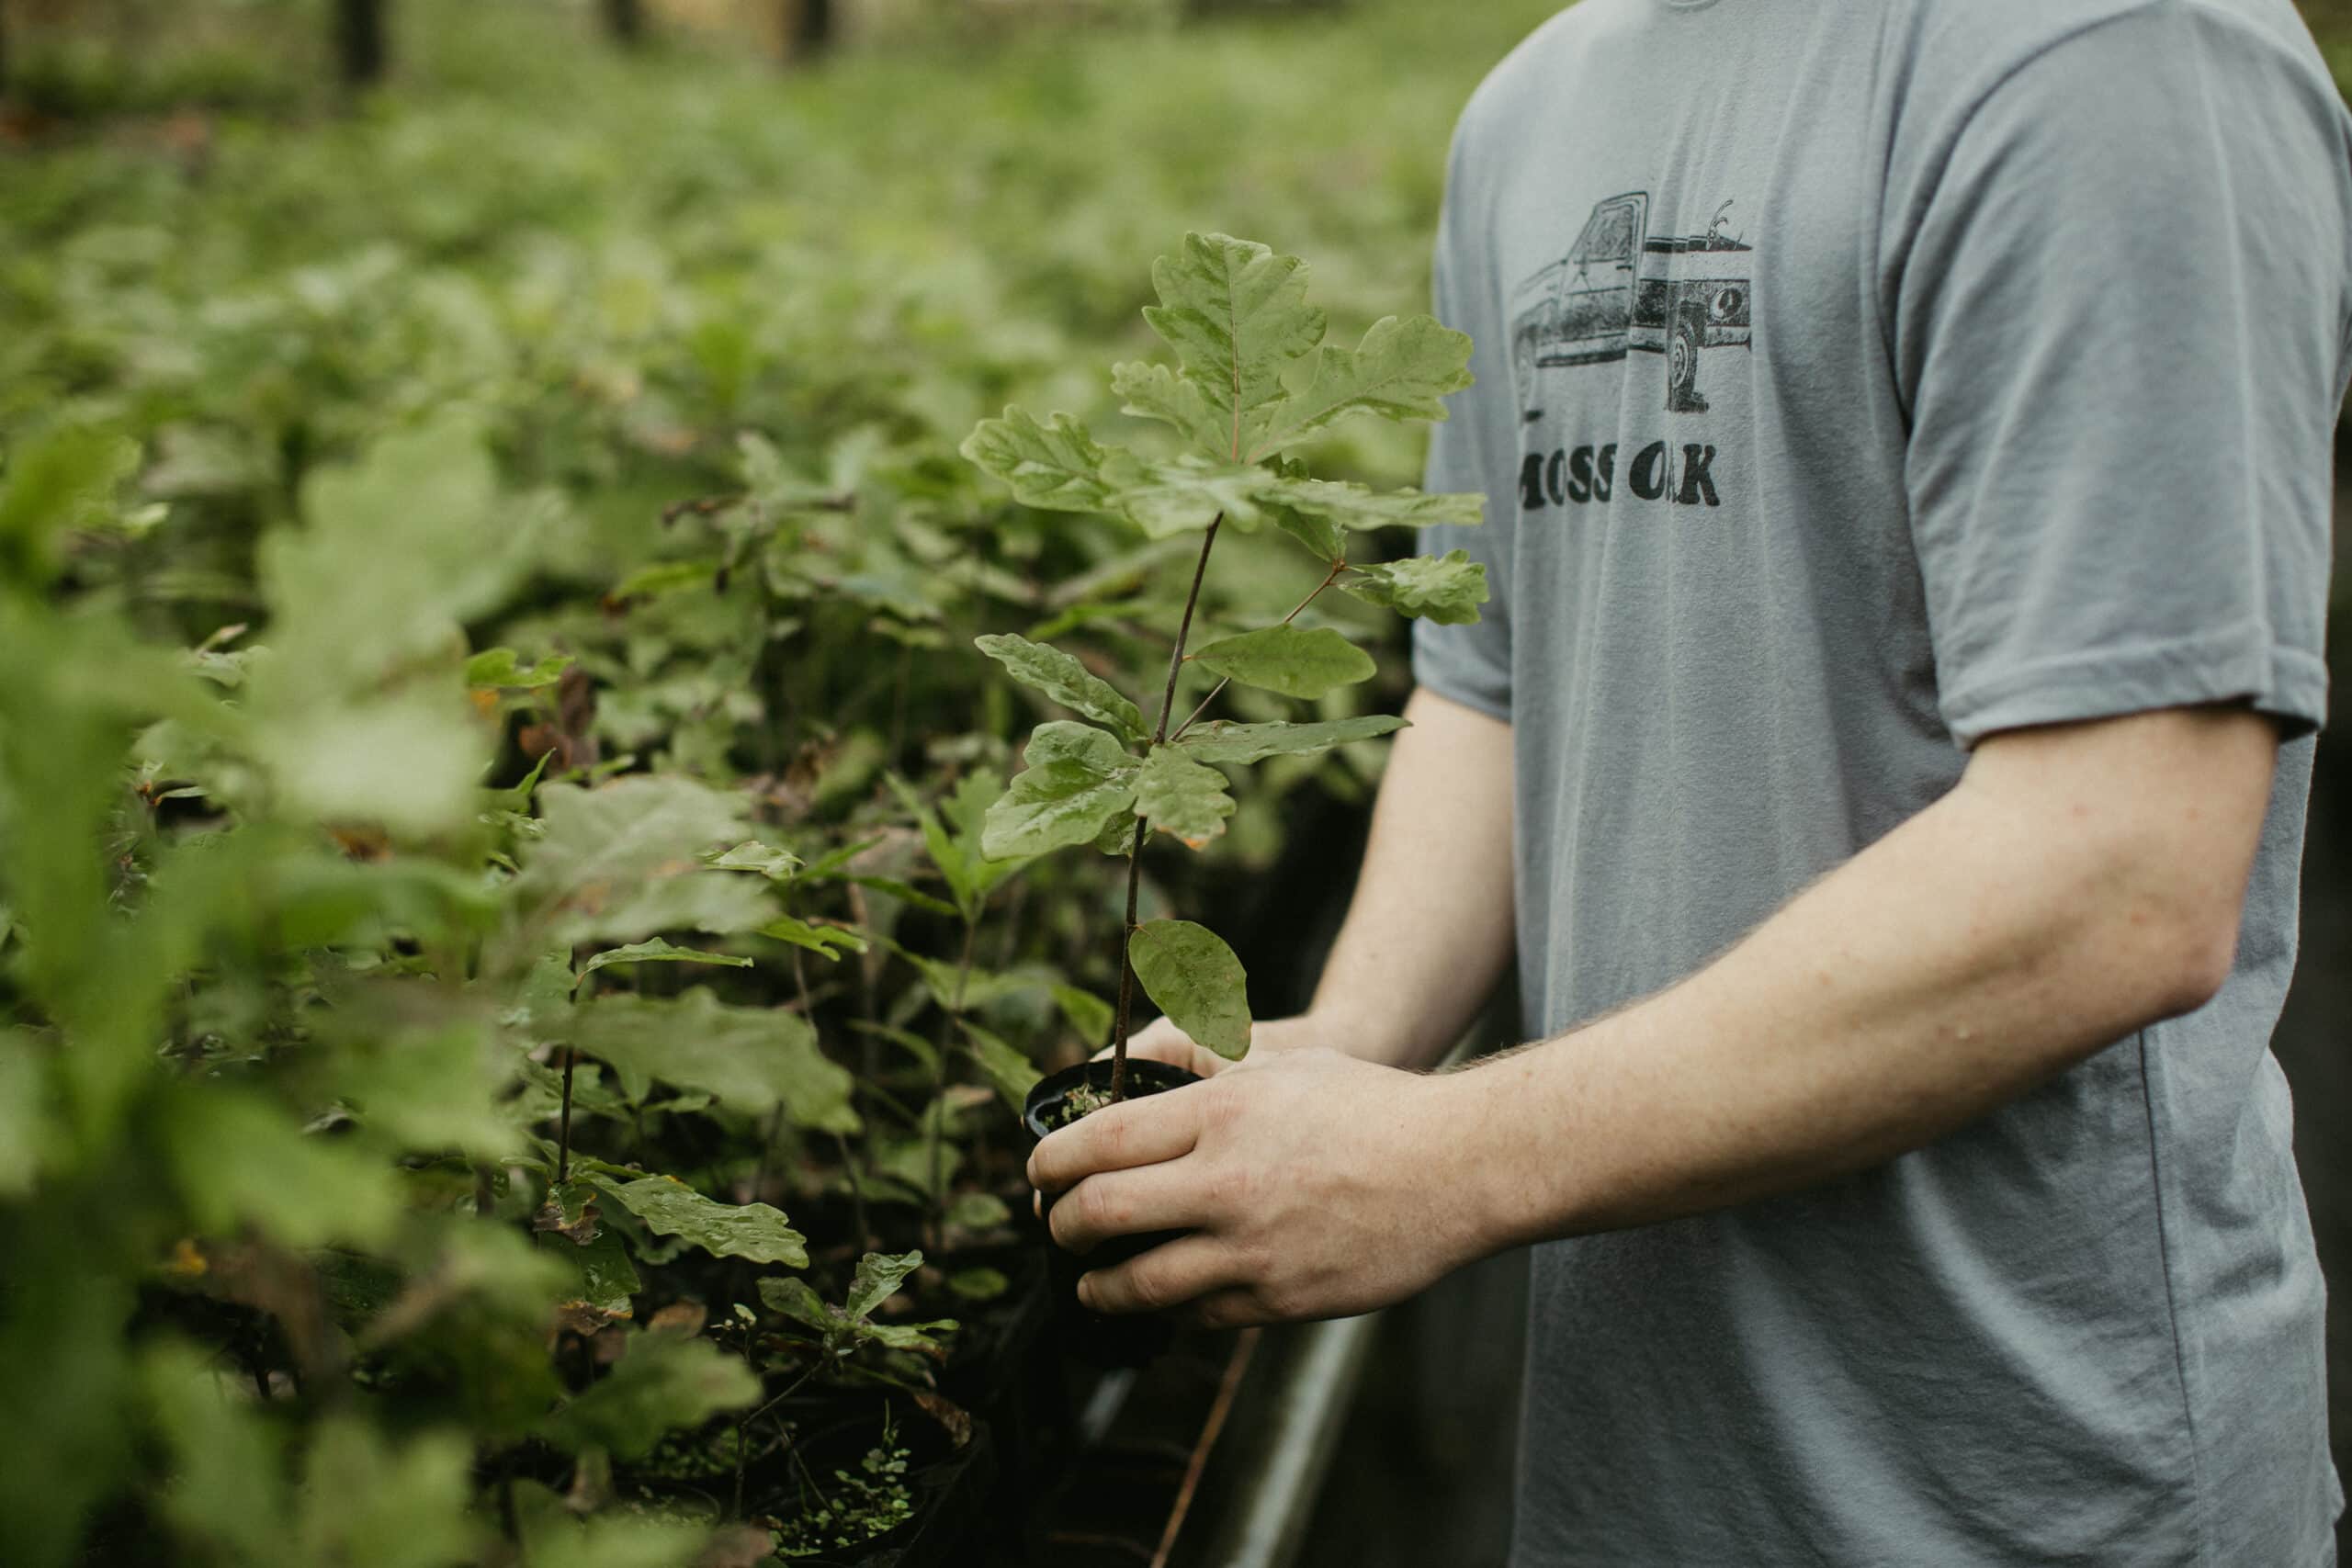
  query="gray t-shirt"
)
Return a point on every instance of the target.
[{"x": 1858, "y": 378}]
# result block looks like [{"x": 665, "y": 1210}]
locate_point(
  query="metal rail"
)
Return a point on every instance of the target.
[
  {"x": 1278, "y": 1473},
  {"x": 1265, "y": 1482}
]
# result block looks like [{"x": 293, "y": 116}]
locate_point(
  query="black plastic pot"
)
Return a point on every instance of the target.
[{"x": 1125, "y": 1341}]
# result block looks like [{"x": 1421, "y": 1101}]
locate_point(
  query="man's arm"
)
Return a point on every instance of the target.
[
  {"x": 1429, "y": 932},
  {"x": 2081, "y": 882}
]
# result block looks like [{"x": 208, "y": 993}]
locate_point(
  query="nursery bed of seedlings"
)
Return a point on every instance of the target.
[{"x": 513, "y": 1026}]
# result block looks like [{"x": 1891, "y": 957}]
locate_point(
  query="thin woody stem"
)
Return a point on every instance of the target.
[
  {"x": 564, "y": 1131},
  {"x": 1134, "y": 851},
  {"x": 798, "y": 1384},
  {"x": 1126, "y": 972},
  {"x": 1186, "y": 729},
  {"x": 743, "y": 1426},
  {"x": 1185, "y": 632},
  {"x": 1337, "y": 566}
]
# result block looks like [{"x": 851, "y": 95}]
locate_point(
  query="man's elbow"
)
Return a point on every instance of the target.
[
  {"x": 2205, "y": 953},
  {"x": 2173, "y": 922},
  {"x": 2156, "y": 820}
]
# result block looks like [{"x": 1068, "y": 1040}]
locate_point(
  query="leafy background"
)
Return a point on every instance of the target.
[{"x": 531, "y": 297}]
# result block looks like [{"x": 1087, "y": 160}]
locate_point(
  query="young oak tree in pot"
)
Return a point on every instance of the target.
[{"x": 1253, "y": 382}]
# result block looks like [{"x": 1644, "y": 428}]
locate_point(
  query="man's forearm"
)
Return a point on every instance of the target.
[
  {"x": 2020, "y": 924},
  {"x": 2080, "y": 881},
  {"x": 1429, "y": 932}
]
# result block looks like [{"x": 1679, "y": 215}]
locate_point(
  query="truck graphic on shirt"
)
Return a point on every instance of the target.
[{"x": 1621, "y": 287}]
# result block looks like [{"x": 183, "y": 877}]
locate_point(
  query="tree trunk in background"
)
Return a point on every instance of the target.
[
  {"x": 626, "y": 20},
  {"x": 4, "y": 47},
  {"x": 359, "y": 46},
  {"x": 808, "y": 29}
]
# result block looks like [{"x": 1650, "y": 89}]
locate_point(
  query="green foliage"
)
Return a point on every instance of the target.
[
  {"x": 1446, "y": 589},
  {"x": 1399, "y": 372},
  {"x": 499, "y": 668},
  {"x": 608, "y": 1278},
  {"x": 1059, "y": 468},
  {"x": 1063, "y": 679},
  {"x": 1294, "y": 662},
  {"x": 852, "y": 1507},
  {"x": 955, "y": 839},
  {"x": 1236, "y": 313},
  {"x": 658, "y": 950},
  {"x": 828, "y": 943},
  {"x": 228, "y": 1488},
  {"x": 1077, "y": 780},
  {"x": 668, "y": 1207},
  {"x": 981, "y": 1284},
  {"x": 1176, "y": 795},
  {"x": 1056, "y": 466},
  {"x": 362, "y": 704},
  {"x": 24, "y": 1118},
  {"x": 366, "y": 604},
  {"x": 626, "y": 861},
  {"x": 1227, "y": 742},
  {"x": 374, "y": 1500},
  {"x": 63, "y": 480},
  {"x": 1089, "y": 1015},
  {"x": 1012, "y": 1074},
  {"x": 1351, "y": 507},
  {"x": 844, "y": 1329},
  {"x": 552, "y": 1535},
  {"x": 1196, "y": 980},
  {"x": 662, "y": 1382},
  {"x": 364, "y": 1498},
  {"x": 753, "y": 1059},
  {"x": 239, "y": 1164},
  {"x": 777, "y": 866}
]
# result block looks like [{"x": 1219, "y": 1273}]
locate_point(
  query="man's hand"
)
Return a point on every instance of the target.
[
  {"x": 1314, "y": 1185},
  {"x": 1161, "y": 1041},
  {"x": 1427, "y": 936}
]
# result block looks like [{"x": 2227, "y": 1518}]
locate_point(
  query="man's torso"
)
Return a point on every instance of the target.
[{"x": 2085, "y": 1329}]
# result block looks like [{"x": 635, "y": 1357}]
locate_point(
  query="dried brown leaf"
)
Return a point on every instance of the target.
[
  {"x": 581, "y": 1230},
  {"x": 582, "y": 1318},
  {"x": 954, "y": 1418},
  {"x": 684, "y": 1319}
]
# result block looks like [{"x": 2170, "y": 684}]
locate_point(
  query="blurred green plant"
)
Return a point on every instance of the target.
[
  {"x": 494, "y": 769},
  {"x": 265, "y": 1061}
]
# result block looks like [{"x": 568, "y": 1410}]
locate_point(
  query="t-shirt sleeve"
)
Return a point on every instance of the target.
[
  {"x": 2120, "y": 324},
  {"x": 1472, "y": 452}
]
